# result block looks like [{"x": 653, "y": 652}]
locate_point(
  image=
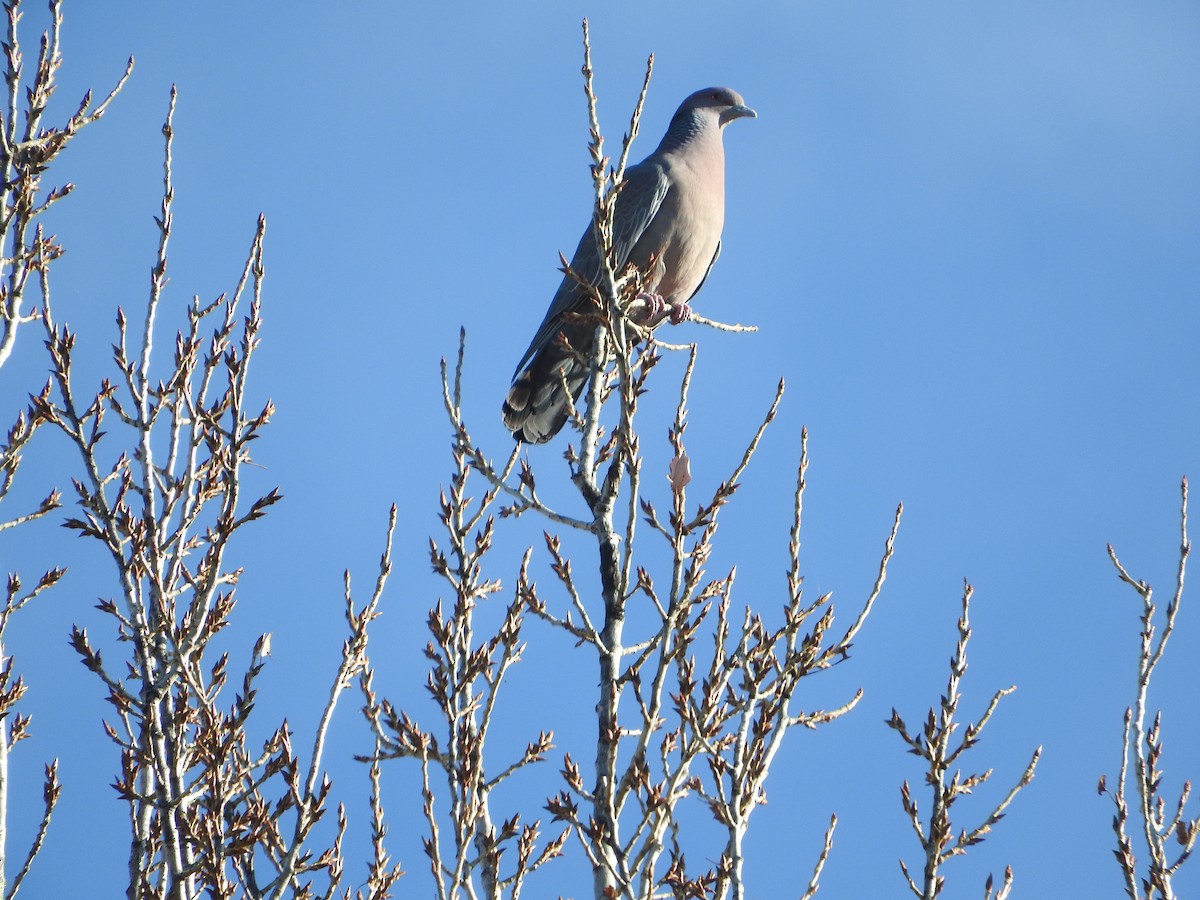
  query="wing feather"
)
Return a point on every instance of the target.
[{"x": 645, "y": 187}]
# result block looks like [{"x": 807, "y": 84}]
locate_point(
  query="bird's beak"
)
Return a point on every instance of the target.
[{"x": 737, "y": 112}]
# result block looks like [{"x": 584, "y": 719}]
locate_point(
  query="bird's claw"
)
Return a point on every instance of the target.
[
  {"x": 680, "y": 313},
  {"x": 652, "y": 309}
]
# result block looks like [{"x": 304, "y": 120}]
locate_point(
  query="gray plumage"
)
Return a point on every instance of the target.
[{"x": 667, "y": 222}]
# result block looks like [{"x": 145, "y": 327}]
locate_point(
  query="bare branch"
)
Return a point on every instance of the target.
[
  {"x": 1168, "y": 843},
  {"x": 933, "y": 745}
]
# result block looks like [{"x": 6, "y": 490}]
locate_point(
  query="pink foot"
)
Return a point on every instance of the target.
[
  {"x": 680, "y": 313},
  {"x": 653, "y": 308}
]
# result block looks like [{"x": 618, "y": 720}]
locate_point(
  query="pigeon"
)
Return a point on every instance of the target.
[{"x": 667, "y": 222}]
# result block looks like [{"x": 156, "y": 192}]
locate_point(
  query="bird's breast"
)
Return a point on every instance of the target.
[
  {"x": 685, "y": 248},
  {"x": 678, "y": 246}
]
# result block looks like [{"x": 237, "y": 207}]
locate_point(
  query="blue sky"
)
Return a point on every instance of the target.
[{"x": 969, "y": 233}]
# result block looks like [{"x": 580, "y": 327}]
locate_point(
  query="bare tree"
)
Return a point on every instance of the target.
[
  {"x": 28, "y": 147},
  {"x": 208, "y": 812},
  {"x": 696, "y": 693},
  {"x": 675, "y": 720},
  {"x": 1168, "y": 831},
  {"x": 467, "y": 672},
  {"x": 937, "y": 746}
]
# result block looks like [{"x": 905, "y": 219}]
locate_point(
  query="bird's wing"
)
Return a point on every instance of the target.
[
  {"x": 640, "y": 197},
  {"x": 642, "y": 192}
]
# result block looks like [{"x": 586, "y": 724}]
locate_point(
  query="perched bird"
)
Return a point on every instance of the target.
[{"x": 667, "y": 222}]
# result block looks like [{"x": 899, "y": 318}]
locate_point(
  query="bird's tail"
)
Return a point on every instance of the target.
[{"x": 536, "y": 408}]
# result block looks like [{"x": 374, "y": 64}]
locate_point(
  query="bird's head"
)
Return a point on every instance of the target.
[{"x": 721, "y": 102}]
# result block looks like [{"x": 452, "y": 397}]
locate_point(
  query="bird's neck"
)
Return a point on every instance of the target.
[{"x": 686, "y": 128}]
